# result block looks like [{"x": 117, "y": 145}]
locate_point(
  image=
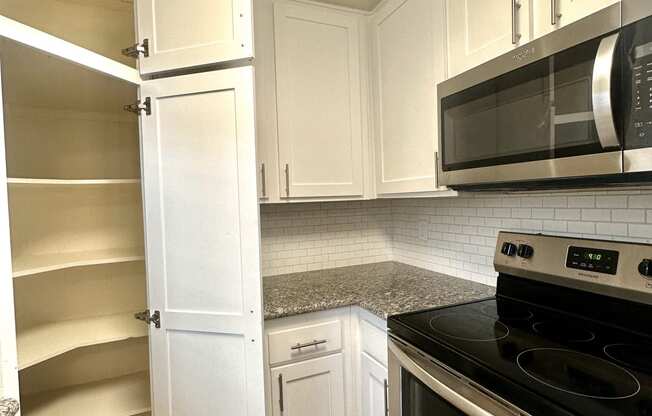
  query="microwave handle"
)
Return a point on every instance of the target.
[{"x": 602, "y": 106}]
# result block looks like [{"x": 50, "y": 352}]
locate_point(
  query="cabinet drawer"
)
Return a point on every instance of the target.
[{"x": 304, "y": 342}]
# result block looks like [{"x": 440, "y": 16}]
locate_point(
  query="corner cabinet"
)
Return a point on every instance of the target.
[
  {"x": 319, "y": 101},
  {"x": 408, "y": 60},
  {"x": 179, "y": 34},
  {"x": 479, "y": 30},
  {"x": 144, "y": 223}
]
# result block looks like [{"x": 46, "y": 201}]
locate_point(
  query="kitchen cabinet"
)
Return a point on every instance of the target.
[
  {"x": 409, "y": 55},
  {"x": 373, "y": 385},
  {"x": 175, "y": 34},
  {"x": 553, "y": 14},
  {"x": 312, "y": 387},
  {"x": 479, "y": 30},
  {"x": 85, "y": 182},
  {"x": 319, "y": 101}
]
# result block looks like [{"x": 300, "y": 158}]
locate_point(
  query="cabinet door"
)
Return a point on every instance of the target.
[
  {"x": 203, "y": 244},
  {"x": 319, "y": 104},
  {"x": 479, "y": 30},
  {"x": 566, "y": 12},
  {"x": 182, "y": 33},
  {"x": 313, "y": 387},
  {"x": 409, "y": 62},
  {"x": 373, "y": 381}
]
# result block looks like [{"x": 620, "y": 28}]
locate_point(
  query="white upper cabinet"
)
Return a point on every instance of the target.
[
  {"x": 408, "y": 62},
  {"x": 319, "y": 102},
  {"x": 203, "y": 244},
  {"x": 182, "y": 34},
  {"x": 479, "y": 30},
  {"x": 549, "y": 15}
]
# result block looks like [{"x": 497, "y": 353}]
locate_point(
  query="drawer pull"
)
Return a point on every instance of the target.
[{"x": 314, "y": 343}]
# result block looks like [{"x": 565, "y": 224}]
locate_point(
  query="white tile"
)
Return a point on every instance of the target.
[
  {"x": 611, "y": 201},
  {"x": 596, "y": 215},
  {"x": 611, "y": 229},
  {"x": 640, "y": 230},
  {"x": 628, "y": 215}
]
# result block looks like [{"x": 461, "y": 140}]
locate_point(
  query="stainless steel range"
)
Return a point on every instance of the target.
[{"x": 569, "y": 332}]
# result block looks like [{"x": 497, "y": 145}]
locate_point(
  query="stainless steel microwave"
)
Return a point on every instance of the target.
[{"x": 573, "y": 107}]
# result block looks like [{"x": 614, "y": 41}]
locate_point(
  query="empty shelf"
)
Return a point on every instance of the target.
[
  {"x": 122, "y": 396},
  {"x": 28, "y": 265},
  {"x": 42, "y": 342},
  {"x": 70, "y": 182}
]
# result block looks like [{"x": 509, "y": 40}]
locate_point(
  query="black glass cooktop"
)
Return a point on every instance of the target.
[{"x": 546, "y": 361}]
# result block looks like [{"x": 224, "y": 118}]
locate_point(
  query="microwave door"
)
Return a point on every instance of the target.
[{"x": 552, "y": 118}]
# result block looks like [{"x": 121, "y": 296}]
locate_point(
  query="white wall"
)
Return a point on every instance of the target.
[{"x": 456, "y": 236}]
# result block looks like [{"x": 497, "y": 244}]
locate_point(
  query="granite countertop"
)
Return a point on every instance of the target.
[{"x": 384, "y": 289}]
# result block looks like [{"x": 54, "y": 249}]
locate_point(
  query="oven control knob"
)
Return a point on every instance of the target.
[
  {"x": 525, "y": 251},
  {"x": 508, "y": 249},
  {"x": 645, "y": 268}
]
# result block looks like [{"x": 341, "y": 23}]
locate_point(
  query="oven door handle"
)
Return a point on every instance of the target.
[
  {"x": 471, "y": 406},
  {"x": 602, "y": 106}
]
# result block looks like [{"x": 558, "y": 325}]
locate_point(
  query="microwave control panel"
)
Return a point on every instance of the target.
[{"x": 642, "y": 93}]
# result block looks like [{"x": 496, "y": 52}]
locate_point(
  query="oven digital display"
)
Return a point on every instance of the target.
[{"x": 592, "y": 259}]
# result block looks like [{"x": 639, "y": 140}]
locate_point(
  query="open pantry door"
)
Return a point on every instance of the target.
[{"x": 203, "y": 244}]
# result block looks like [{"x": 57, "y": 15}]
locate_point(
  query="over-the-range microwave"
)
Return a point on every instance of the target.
[{"x": 570, "y": 109}]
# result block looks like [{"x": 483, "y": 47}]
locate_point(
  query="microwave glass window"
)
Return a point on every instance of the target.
[
  {"x": 540, "y": 111},
  {"x": 418, "y": 400}
]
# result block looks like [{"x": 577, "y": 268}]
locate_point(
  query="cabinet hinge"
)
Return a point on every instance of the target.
[
  {"x": 139, "y": 106},
  {"x": 136, "y": 50},
  {"x": 145, "y": 316}
]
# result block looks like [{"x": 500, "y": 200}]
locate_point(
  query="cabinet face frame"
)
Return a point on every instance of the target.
[
  {"x": 8, "y": 350},
  {"x": 219, "y": 326},
  {"x": 290, "y": 184},
  {"x": 198, "y": 51}
]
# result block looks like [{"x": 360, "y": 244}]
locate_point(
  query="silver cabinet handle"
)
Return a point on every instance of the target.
[
  {"x": 263, "y": 183},
  {"x": 436, "y": 169},
  {"x": 9, "y": 407},
  {"x": 602, "y": 106},
  {"x": 280, "y": 393},
  {"x": 516, "y": 5},
  {"x": 314, "y": 343},
  {"x": 554, "y": 14},
  {"x": 287, "y": 180},
  {"x": 386, "y": 385}
]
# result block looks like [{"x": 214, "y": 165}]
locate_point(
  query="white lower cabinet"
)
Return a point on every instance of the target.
[
  {"x": 373, "y": 387},
  {"x": 330, "y": 363},
  {"x": 313, "y": 387}
]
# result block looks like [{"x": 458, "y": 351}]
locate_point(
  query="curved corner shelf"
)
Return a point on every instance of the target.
[
  {"x": 42, "y": 342},
  {"x": 29, "y": 265},
  {"x": 122, "y": 396},
  {"x": 70, "y": 182}
]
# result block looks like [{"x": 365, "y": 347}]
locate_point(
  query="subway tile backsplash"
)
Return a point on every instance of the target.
[{"x": 456, "y": 236}]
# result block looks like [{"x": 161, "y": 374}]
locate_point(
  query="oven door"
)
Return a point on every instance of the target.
[
  {"x": 422, "y": 387},
  {"x": 545, "y": 111}
]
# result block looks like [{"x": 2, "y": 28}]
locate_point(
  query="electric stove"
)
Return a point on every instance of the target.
[{"x": 569, "y": 332}]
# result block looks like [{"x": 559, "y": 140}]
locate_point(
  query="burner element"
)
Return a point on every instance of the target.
[
  {"x": 638, "y": 357},
  {"x": 562, "y": 332},
  {"x": 578, "y": 373},
  {"x": 507, "y": 311},
  {"x": 469, "y": 327}
]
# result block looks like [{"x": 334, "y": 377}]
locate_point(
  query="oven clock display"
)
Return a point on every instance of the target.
[{"x": 592, "y": 260}]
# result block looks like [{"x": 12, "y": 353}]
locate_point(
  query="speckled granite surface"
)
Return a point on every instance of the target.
[{"x": 384, "y": 289}]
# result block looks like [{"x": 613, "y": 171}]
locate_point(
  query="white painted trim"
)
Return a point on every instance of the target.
[{"x": 52, "y": 45}]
